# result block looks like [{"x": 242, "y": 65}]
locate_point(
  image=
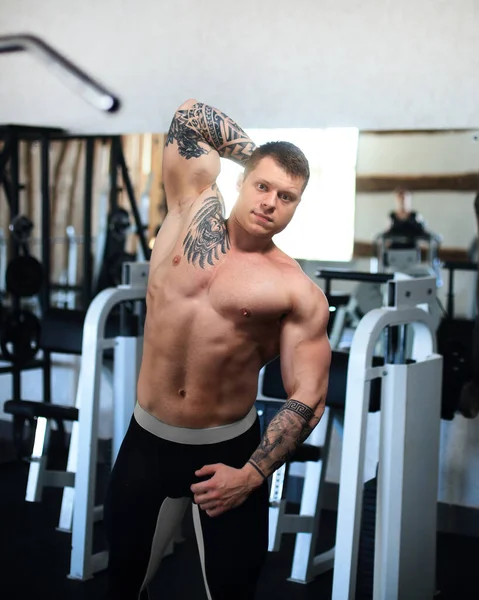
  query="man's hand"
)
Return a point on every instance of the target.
[{"x": 226, "y": 489}]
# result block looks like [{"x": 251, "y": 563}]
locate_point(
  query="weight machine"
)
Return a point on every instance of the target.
[
  {"x": 78, "y": 510},
  {"x": 410, "y": 417},
  {"x": 25, "y": 332}
]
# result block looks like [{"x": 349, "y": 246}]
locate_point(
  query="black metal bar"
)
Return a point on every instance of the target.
[
  {"x": 14, "y": 250},
  {"x": 114, "y": 164},
  {"x": 459, "y": 266},
  {"x": 46, "y": 250},
  {"x": 5, "y": 155},
  {"x": 87, "y": 217},
  {"x": 353, "y": 276},
  {"x": 29, "y": 367},
  {"x": 14, "y": 185},
  {"x": 64, "y": 287},
  {"x": 8, "y": 189},
  {"x": 140, "y": 228},
  {"x": 46, "y": 254},
  {"x": 450, "y": 294},
  {"x": 29, "y": 132},
  {"x": 402, "y": 344},
  {"x": 81, "y": 83}
]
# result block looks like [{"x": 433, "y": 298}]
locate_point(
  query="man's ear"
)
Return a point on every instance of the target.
[{"x": 239, "y": 181}]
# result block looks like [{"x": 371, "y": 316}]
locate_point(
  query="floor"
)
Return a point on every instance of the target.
[{"x": 34, "y": 557}]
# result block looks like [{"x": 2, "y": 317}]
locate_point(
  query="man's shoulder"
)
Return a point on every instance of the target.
[
  {"x": 284, "y": 262},
  {"x": 301, "y": 288}
]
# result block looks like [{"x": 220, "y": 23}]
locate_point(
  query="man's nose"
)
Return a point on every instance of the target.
[{"x": 269, "y": 200}]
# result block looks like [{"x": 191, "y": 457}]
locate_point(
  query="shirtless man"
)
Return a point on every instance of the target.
[{"x": 222, "y": 301}]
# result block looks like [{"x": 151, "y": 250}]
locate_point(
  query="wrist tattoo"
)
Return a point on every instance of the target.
[
  {"x": 258, "y": 469},
  {"x": 303, "y": 410}
]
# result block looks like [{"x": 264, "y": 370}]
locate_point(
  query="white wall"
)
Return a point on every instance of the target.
[{"x": 275, "y": 63}]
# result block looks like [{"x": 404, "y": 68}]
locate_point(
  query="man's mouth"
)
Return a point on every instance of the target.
[{"x": 262, "y": 217}]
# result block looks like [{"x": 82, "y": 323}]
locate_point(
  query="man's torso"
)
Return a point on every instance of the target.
[{"x": 213, "y": 320}]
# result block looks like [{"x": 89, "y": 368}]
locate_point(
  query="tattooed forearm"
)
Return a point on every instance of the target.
[
  {"x": 207, "y": 235},
  {"x": 203, "y": 123},
  {"x": 286, "y": 432}
]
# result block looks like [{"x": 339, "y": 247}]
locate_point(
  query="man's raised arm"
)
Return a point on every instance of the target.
[
  {"x": 199, "y": 135},
  {"x": 305, "y": 360}
]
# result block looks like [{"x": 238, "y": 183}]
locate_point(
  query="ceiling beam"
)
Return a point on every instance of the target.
[{"x": 454, "y": 182}]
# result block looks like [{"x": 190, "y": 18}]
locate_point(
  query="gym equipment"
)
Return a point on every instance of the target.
[
  {"x": 20, "y": 336},
  {"x": 114, "y": 250},
  {"x": 454, "y": 343},
  {"x": 367, "y": 296},
  {"x": 113, "y": 237},
  {"x": 405, "y": 535},
  {"x": 119, "y": 223},
  {"x": 400, "y": 253},
  {"x": 38, "y": 414},
  {"x": 81, "y": 83},
  {"x": 53, "y": 338},
  {"x": 452, "y": 267},
  {"x": 403, "y": 297},
  {"x": 306, "y": 564},
  {"x": 120, "y": 336},
  {"x": 20, "y": 331},
  {"x": 78, "y": 511},
  {"x": 21, "y": 229},
  {"x": 66, "y": 297},
  {"x": 366, "y": 549},
  {"x": 24, "y": 277},
  {"x": 457, "y": 339},
  {"x": 3, "y": 260}
]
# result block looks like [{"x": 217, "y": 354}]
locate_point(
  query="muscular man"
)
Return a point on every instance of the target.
[{"x": 222, "y": 301}]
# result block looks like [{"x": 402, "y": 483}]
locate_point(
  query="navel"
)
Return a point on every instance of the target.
[
  {"x": 246, "y": 312},
  {"x": 176, "y": 260},
  {"x": 182, "y": 393}
]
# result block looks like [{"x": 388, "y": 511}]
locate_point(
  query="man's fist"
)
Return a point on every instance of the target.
[{"x": 227, "y": 487}]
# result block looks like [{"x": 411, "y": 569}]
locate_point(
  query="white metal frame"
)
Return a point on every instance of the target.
[
  {"x": 405, "y": 541},
  {"x": 306, "y": 564},
  {"x": 410, "y": 421},
  {"x": 79, "y": 502}
]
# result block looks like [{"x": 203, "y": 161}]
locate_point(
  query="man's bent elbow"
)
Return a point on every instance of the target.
[{"x": 188, "y": 104}]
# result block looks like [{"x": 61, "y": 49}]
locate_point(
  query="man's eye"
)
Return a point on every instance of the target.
[
  {"x": 285, "y": 197},
  {"x": 261, "y": 186}
]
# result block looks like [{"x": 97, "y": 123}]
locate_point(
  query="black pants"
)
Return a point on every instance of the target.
[{"x": 153, "y": 473}]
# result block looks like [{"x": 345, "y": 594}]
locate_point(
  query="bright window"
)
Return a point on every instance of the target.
[{"x": 323, "y": 226}]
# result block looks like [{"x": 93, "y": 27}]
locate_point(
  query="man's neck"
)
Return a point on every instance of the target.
[{"x": 244, "y": 241}]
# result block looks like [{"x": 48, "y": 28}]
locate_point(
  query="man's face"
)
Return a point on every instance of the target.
[{"x": 268, "y": 198}]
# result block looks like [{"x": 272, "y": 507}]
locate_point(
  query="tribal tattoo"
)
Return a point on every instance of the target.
[
  {"x": 203, "y": 123},
  {"x": 207, "y": 235},
  {"x": 286, "y": 432}
]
